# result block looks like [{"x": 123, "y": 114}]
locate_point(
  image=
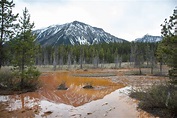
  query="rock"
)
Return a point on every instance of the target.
[
  {"x": 104, "y": 104},
  {"x": 88, "y": 86},
  {"x": 62, "y": 86},
  {"x": 76, "y": 115},
  {"x": 48, "y": 112},
  {"x": 23, "y": 110},
  {"x": 89, "y": 113}
]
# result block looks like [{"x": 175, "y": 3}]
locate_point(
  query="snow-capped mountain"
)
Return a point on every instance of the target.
[
  {"x": 149, "y": 39},
  {"x": 74, "y": 33}
]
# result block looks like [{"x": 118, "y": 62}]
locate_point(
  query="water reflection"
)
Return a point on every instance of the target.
[
  {"x": 21, "y": 101},
  {"x": 75, "y": 95}
]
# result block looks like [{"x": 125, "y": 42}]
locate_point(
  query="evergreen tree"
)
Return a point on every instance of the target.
[
  {"x": 7, "y": 19},
  {"x": 24, "y": 47},
  {"x": 168, "y": 47}
]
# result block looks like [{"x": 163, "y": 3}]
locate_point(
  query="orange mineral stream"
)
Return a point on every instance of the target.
[{"x": 35, "y": 104}]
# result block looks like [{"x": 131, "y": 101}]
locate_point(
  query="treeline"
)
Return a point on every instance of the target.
[
  {"x": 137, "y": 53},
  {"x": 87, "y": 53},
  {"x": 97, "y": 54}
]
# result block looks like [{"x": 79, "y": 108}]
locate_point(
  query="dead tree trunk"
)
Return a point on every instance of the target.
[
  {"x": 61, "y": 62},
  {"x": 75, "y": 63},
  {"x": 95, "y": 62},
  {"x": 81, "y": 61},
  {"x": 81, "y": 58},
  {"x": 152, "y": 59},
  {"x": 102, "y": 64},
  {"x": 46, "y": 60},
  {"x": 120, "y": 62},
  {"x": 116, "y": 61},
  {"x": 54, "y": 59},
  {"x": 69, "y": 61},
  {"x": 161, "y": 67}
]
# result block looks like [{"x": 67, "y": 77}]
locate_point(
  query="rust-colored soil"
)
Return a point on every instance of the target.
[{"x": 31, "y": 104}]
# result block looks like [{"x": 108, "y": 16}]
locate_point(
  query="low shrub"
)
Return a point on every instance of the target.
[
  {"x": 160, "y": 100},
  {"x": 11, "y": 80},
  {"x": 30, "y": 78},
  {"x": 6, "y": 79}
]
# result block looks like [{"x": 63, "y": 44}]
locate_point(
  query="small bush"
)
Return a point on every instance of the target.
[
  {"x": 160, "y": 100},
  {"x": 30, "y": 76},
  {"x": 11, "y": 80},
  {"x": 6, "y": 79}
]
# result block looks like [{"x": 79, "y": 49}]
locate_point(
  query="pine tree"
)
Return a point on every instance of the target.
[
  {"x": 7, "y": 25},
  {"x": 24, "y": 46},
  {"x": 168, "y": 47}
]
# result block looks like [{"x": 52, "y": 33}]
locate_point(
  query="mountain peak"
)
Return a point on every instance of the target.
[
  {"x": 76, "y": 22},
  {"x": 74, "y": 33},
  {"x": 149, "y": 39}
]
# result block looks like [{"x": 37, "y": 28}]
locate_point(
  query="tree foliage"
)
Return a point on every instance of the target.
[
  {"x": 7, "y": 25},
  {"x": 168, "y": 46},
  {"x": 84, "y": 53},
  {"x": 24, "y": 48}
]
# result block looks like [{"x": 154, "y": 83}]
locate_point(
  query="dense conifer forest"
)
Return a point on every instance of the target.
[{"x": 94, "y": 54}]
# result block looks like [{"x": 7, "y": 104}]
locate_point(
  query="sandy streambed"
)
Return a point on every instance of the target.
[{"x": 115, "y": 104}]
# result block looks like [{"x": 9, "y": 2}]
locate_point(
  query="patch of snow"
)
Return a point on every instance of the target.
[{"x": 72, "y": 42}]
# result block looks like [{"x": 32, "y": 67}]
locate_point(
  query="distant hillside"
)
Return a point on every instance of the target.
[
  {"x": 74, "y": 33},
  {"x": 149, "y": 38}
]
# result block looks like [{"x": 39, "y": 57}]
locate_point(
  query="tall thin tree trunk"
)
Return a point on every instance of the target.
[
  {"x": 1, "y": 54},
  {"x": 54, "y": 59},
  {"x": 120, "y": 62},
  {"x": 81, "y": 61},
  {"x": 22, "y": 69},
  {"x": 102, "y": 65},
  {"x": 160, "y": 67},
  {"x": 97, "y": 61},
  {"x": 61, "y": 62},
  {"x": 46, "y": 61},
  {"x": 116, "y": 61},
  {"x": 152, "y": 65},
  {"x": 152, "y": 59},
  {"x": 152, "y": 69},
  {"x": 75, "y": 63},
  {"x": 2, "y": 33},
  {"x": 140, "y": 70},
  {"x": 69, "y": 61},
  {"x": 54, "y": 63}
]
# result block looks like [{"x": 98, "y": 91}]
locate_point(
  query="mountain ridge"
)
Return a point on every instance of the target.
[
  {"x": 149, "y": 39},
  {"x": 74, "y": 33}
]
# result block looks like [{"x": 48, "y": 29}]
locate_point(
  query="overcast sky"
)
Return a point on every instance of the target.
[{"x": 127, "y": 19}]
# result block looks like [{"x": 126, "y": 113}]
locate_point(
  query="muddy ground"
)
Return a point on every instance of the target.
[{"x": 108, "y": 99}]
